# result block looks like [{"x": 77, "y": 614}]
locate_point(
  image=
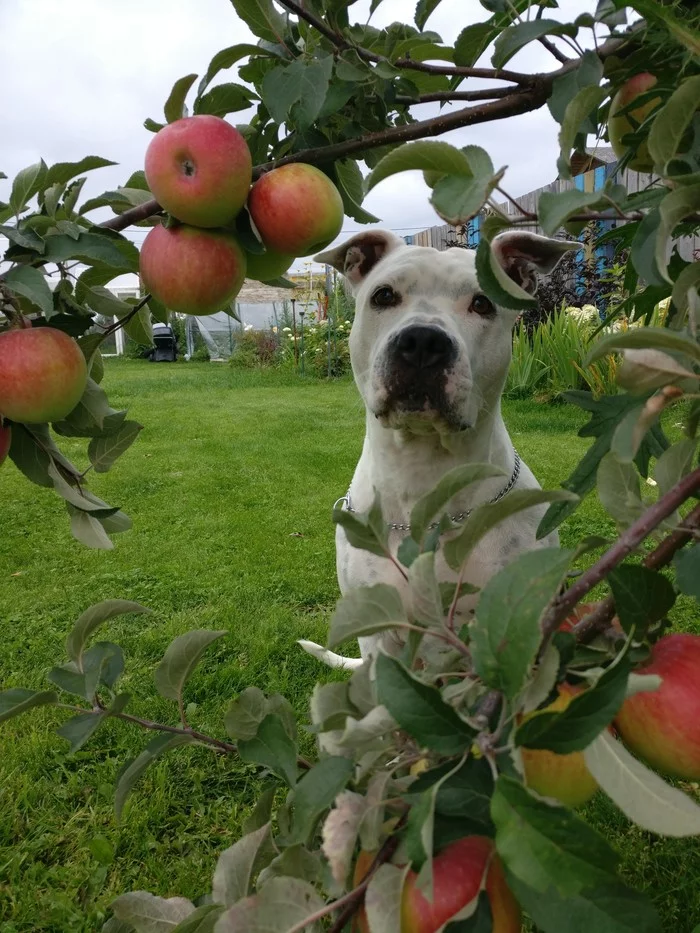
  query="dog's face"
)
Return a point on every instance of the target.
[{"x": 429, "y": 350}]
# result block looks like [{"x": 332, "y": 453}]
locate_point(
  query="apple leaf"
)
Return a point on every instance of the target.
[
  {"x": 174, "y": 108},
  {"x": 383, "y": 899},
  {"x": 547, "y": 846},
  {"x": 687, "y": 564},
  {"x": 315, "y": 793},
  {"x": 641, "y": 794},
  {"x": 506, "y": 635},
  {"x": 453, "y": 482},
  {"x": 17, "y": 700},
  {"x": 273, "y": 748},
  {"x": 91, "y": 620},
  {"x": 642, "y": 596},
  {"x": 420, "y": 710},
  {"x": 586, "y": 716},
  {"x": 237, "y": 866},
  {"x": 366, "y": 610},
  {"x": 131, "y": 773},
  {"x": 150, "y": 914},
  {"x": 281, "y": 904}
]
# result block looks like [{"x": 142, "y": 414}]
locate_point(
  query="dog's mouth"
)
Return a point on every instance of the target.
[{"x": 420, "y": 409}]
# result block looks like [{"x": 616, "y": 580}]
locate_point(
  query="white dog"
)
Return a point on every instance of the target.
[{"x": 430, "y": 354}]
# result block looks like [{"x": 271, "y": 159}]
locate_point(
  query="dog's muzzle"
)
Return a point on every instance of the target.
[{"x": 418, "y": 361}]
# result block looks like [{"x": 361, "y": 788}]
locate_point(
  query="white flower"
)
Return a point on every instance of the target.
[
  {"x": 274, "y": 330},
  {"x": 286, "y": 330},
  {"x": 323, "y": 323},
  {"x": 248, "y": 327}
]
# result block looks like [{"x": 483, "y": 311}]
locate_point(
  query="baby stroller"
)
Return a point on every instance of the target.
[{"x": 164, "y": 348}]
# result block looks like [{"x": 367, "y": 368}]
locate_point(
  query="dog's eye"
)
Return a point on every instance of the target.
[
  {"x": 481, "y": 305},
  {"x": 385, "y": 297}
]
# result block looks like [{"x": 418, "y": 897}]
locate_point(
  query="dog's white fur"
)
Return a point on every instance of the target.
[{"x": 411, "y": 443}]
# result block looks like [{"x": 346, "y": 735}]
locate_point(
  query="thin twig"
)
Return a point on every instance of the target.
[
  {"x": 623, "y": 547},
  {"x": 446, "y": 96},
  {"x": 123, "y": 321},
  {"x": 602, "y": 615},
  {"x": 516, "y": 204},
  {"x": 551, "y": 47}
]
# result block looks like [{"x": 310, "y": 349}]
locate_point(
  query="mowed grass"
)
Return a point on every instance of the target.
[{"x": 230, "y": 488}]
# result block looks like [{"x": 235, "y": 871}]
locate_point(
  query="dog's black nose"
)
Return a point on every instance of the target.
[{"x": 425, "y": 347}]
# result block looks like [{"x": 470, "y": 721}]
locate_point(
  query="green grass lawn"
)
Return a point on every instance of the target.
[{"x": 230, "y": 488}]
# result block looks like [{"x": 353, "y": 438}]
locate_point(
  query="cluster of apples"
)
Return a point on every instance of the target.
[
  {"x": 43, "y": 374},
  {"x": 199, "y": 169},
  {"x": 662, "y": 726}
]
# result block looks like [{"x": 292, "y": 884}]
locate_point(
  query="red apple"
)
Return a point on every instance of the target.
[
  {"x": 566, "y": 778},
  {"x": 199, "y": 169},
  {"x": 619, "y": 126},
  {"x": 663, "y": 726},
  {"x": 296, "y": 209},
  {"x": 191, "y": 270},
  {"x": 5, "y": 440},
  {"x": 580, "y": 612},
  {"x": 42, "y": 374},
  {"x": 266, "y": 266},
  {"x": 457, "y": 874}
]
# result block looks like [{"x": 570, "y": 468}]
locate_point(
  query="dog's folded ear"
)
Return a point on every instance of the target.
[
  {"x": 360, "y": 254},
  {"x": 522, "y": 255}
]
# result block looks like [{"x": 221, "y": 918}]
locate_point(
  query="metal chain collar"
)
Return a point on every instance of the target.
[{"x": 344, "y": 501}]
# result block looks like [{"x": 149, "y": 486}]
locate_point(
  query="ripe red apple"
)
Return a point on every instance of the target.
[
  {"x": 566, "y": 778},
  {"x": 663, "y": 726},
  {"x": 296, "y": 209},
  {"x": 580, "y": 612},
  {"x": 266, "y": 266},
  {"x": 5, "y": 440},
  {"x": 199, "y": 169},
  {"x": 619, "y": 126},
  {"x": 42, "y": 374},
  {"x": 457, "y": 874},
  {"x": 191, "y": 270}
]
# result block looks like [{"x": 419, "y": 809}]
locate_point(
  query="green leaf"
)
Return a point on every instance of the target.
[
  {"x": 262, "y": 19},
  {"x": 687, "y": 564},
  {"x": 282, "y": 903},
  {"x": 62, "y": 172},
  {"x": 586, "y": 716},
  {"x": 89, "y": 530},
  {"x": 589, "y": 71},
  {"x": 101, "y": 664},
  {"x": 78, "y": 729},
  {"x": 91, "y": 620},
  {"x": 224, "y": 59},
  {"x": 313, "y": 87},
  {"x": 424, "y": 9},
  {"x": 473, "y": 41},
  {"x": 618, "y": 489},
  {"x": 174, "y": 108},
  {"x": 103, "y": 451},
  {"x": 26, "y": 184},
  {"x": 674, "y": 464},
  {"x": 497, "y": 284},
  {"x": 686, "y": 287},
  {"x": 31, "y": 284},
  {"x": 466, "y": 794},
  {"x": 383, "y": 899},
  {"x": 485, "y": 517},
  {"x": 645, "y": 370},
  {"x": 553, "y": 208},
  {"x": 106, "y": 247},
  {"x": 644, "y": 250},
  {"x": 420, "y": 827},
  {"x": 506, "y": 635},
  {"x": 202, "y": 920},
  {"x": 457, "y": 199},
  {"x": 351, "y": 187},
  {"x": 420, "y": 710},
  {"x": 140, "y": 328},
  {"x": 280, "y": 89},
  {"x": 272, "y": 747},
  {"x": 605, "y": 908},
  {"x": 642, "y": 795},
  {"x": 589, "y": 98},
  {"x": 425, "y": 155},
  {"x": 365, "y": 530},
  {"x": 513, "y": 39},
  {"x": 642, "y": 337},
  {"x": 27, "y": 239},
  {"x": 131, "y": 773},
  {"x": 315, "y": 793},
  {"x": 180, "y": 659},
  {"x": 245, "y": 713},
  {"x": 547, "y": 846},
  {"x": 237, "y": 866},
  {"x": 426, "y": 600},
  {"x": 223, "y": 99},
  {"x": 642, "y": 596},
  {"x": 365, "y": 610},
  {"x": 685, "y": 35},
  {"x": 672, "y": 120},
  {"x": 150, "y": 914},
  {"x": 675, "y": 207},
  {"x": 18, "y": 700}
]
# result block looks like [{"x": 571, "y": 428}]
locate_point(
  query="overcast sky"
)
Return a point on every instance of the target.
[{"x": 80, "y": 77}]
